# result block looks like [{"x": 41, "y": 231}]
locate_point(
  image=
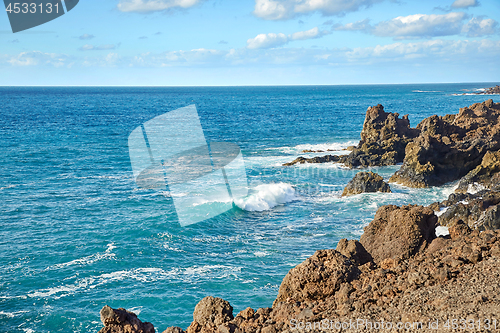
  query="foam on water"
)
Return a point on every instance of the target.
[
  {"x": 324, "y": 147},
  {"x": 89, "y": 259},
  {"x": 143, "y": 275},
  {"x": 267, "y": 196}
]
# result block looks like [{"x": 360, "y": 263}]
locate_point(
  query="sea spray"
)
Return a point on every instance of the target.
[{"x": 267, "y": 196}]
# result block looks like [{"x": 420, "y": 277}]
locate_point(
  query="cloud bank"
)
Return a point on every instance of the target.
[
  {"x": 270, "y": 40},
  {"x": 149, "y": 6},
  {"x": 287, "y": 9},
  {"x": 425, "y": 26}
]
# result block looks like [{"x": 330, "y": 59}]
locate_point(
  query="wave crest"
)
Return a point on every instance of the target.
[{"x": 266, "y": 197}]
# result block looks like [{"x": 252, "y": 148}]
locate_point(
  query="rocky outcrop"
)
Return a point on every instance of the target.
[
  {"x": 484, "y": 176},
  {"x": 383, "y": 139},
  {"x": 490, "y": 91},
  {"x": 399, "y": 232},
  {"x": 365, "y": 182},
  {"x": 455, "y": 276},
  {"x": 479, "y": 210},
  {"x": 449, "y": 147},
  {"x": 354, "y": 251},
  {"x": 317, "y": 159},
  {"x": 122, "y": 321},
  {"x": 212, "y": 314},
  {"x": 432, "y": 285},
  {"x": 318, "y": 277}
]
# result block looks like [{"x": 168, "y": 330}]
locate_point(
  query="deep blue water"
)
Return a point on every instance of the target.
[{"x": 76, "y": 233}]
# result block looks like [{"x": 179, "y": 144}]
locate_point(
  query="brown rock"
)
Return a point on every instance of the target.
[
  {"x": 366, "y": 182},
  {"x": 123, "y": 321},
  {"x": 383, "y": 139},
  {"x": 449, "y": 147},
  {"x": 247, "y": 313},
  {"x": 399, "y": 232},
  {"x": 354, "y": 250},
  {"x": 317, "y": 277},
  {"x": 173, "y": 329},
  {"x": 213, "y": 311},
  {"x": 317, "y": 159}
]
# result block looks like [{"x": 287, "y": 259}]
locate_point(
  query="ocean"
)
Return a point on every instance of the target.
[{"x": 76, "y": 233}]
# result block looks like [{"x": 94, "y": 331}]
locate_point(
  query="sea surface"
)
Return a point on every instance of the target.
[{"x": 76, "y": 233}]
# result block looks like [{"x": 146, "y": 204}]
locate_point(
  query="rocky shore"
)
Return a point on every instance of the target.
[{"x": 400, "y": 273}]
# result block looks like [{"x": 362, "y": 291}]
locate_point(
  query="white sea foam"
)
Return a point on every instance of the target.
[
  {"x": 11, "y": 314},
  {"x": 442, "y": 210},
  {"x": 474, "y": 188},
  {"x": 88, "y": 260},
  {"x": 144, "y": 275},
  {"x": 426, "y": 91},
  {"x": 324, "y": 147},
  {"x": 267, "y": 196},
  {"x": 442, "y": 231},
  {"x": 261, "y": 254}
]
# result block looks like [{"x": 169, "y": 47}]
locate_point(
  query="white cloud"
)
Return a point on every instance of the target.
[
  {"x": 270, "y": 40},
  {"x": 309, "y": 34},
  {"x": 86, "y": 37},
  {"x": 148, "y": 6},
  {"x": 286, "y": 9},
  {"x": 425, "y": 26},
  {"x": 478, "y": 27},
  {"x": 464, "y": 3},
  {"x": 35, "y": 58},
  {"x": 264, "y": 41},
  {"x": 356, "y": 26},
  {"x": 89, "y": 47},
  {"x": 420, "y": 25}
]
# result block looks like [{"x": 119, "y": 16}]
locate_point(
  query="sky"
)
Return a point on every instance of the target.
[{"x": 256, "y": 42}]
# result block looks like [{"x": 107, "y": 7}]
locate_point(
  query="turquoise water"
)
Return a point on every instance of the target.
[{"x": 76, "y": 234}]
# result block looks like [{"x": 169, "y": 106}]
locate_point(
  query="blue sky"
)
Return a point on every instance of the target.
[{"x": 257, "y": 42}]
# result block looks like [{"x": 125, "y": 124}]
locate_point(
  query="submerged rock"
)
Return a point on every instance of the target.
[
  {"x": 317, "y": 159},
  {"x": 399, "y": 232},
  {"x": 366, "y": 182},
  {"x": 123, "y": 321},
  {"x": 449, "y": 147}
]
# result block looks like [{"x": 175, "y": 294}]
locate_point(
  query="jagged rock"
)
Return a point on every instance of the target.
[
  {"x": 317, "y": 159},
  {"x": 366, "y": 182},
  {"x": 354, "y": 250},
  {"x": 478, "y": 211},
  {"x": 174, "y": 329},
  {"x": 399, "y": 232},
  {"x": 490, "y": 91},
  {"x": 486, "y": 175},
  {"x": 317, "y": 277},
  {"x": 383, "y": 139},
  {"x": 449, "y": 147},
  {"x": 123, "y": 321},
  {"x": 212, "y": 312}
]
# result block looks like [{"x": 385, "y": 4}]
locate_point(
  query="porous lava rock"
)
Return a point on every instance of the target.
[
  {"x": 399, "y": 232},
  {"x": 123, "y": 321},
  {"x": 366, "y": 182}
]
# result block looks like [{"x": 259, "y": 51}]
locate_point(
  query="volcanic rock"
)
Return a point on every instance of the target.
[
  {"x": 317, "y": 159},
  {"x": 399, "y": 232},
  {"x": 123, "y": 321},
  {"x": 366, "y": 182},
  {"x": 449, "y": 147},
  {"x": 354, "y": 250},
  {"x": 317, "y": 277},
  {"x": 383, "y": 139}
]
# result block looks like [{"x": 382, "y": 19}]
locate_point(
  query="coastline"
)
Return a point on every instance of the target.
[{"x": 399, "y": 270}]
